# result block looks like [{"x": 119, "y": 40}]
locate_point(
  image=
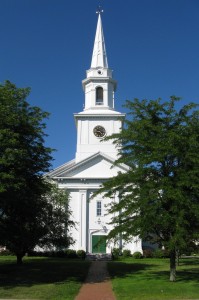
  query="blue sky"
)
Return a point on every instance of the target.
[{"x": 152, "y": 46}]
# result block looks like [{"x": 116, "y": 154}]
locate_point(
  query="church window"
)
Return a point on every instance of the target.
[
  {"x": 99, "y": 96},
  {"x": 99, "y": 208}
]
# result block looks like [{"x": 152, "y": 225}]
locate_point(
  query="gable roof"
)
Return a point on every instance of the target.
[{"x": 98, "y": 165}]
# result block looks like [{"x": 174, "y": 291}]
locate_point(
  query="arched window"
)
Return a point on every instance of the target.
[{"x": 99, "y": 96}]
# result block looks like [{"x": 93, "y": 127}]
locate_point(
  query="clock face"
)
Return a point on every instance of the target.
[{"x": 99, "y": 131}]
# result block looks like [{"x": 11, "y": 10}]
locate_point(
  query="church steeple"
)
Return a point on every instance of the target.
[
  {"x": 99, "y": 85},
  {"x": 99, "y": 58},
  {"x": 99, "y": 117}
]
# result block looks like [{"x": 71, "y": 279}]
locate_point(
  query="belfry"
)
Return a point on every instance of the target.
[{"x": 94, "y": 159}]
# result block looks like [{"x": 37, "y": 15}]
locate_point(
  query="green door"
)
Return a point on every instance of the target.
[{"x": 98, "y": 244}]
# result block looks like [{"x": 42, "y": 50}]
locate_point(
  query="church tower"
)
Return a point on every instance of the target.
[
  {"x": 94, "y": 160},
  {"x": 99, "y": 117}
]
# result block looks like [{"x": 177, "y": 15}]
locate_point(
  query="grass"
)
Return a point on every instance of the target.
[
  {"x": 41, "y": 278},
  {"x": 132, "y": 279},
  {"x": 148, "y": 279}
]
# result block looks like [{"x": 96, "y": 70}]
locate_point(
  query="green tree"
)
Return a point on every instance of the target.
[
  {"x": 158, "y": 196},
  {"x": 57, "y": 220},
  {"x": 25, "y": 210}
]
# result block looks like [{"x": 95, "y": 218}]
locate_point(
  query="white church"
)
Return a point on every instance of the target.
[{"x": 94, "y": 159}]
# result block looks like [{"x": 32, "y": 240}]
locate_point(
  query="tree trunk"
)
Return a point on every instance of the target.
[
  {"x": 173, "y": 266},
  {"x": 19, "y": 259}
]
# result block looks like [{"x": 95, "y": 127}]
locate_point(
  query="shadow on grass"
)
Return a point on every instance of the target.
[
  {"x": 121, "y": 269},
  {"x": 145, "y": 271},
  {"x": 42, "y": 271},
  {"x": 188, "y": 261},
  {"x": 190, "y": 275}
]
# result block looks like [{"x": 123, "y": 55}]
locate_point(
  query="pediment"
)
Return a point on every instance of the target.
[{"x": 98, "y": 165}]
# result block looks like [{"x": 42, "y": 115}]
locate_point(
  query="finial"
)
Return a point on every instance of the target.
[{"x": 99, "y": 10}]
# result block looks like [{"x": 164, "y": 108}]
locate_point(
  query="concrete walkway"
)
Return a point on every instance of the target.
[{"x": 97, "y": 285}]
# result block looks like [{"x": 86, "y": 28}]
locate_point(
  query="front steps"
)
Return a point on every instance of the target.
[{"x": 99, "y": 256}]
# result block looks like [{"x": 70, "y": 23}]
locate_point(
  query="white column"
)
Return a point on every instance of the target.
[{"x": 82, "y": 219}]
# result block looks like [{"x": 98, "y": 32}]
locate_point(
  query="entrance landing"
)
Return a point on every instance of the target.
[{"x": 98, "y": 256}]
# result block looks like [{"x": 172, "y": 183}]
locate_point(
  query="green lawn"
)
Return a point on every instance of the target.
[
  {"x": 41, "y": 278},
  {"x": 148, "y": 279}
]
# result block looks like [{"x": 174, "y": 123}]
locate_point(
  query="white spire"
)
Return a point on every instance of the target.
[{"x": 99, "y": 58}]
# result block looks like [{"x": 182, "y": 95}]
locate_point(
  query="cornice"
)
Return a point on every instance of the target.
[
  {"x": 95, "y": 115},
  {"x": 100, "y": 80}
]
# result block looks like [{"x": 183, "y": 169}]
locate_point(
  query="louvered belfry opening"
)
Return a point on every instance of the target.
[{"x": 99, "y": 96}]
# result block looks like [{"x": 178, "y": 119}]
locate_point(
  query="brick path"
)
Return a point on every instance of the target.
[{"x": 97, "y": 285}]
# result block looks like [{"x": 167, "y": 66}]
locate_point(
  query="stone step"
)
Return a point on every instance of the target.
[{"x": 99, "y": 256}]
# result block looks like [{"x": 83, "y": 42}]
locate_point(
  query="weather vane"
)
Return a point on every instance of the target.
[{"x": 99, "y": 10}]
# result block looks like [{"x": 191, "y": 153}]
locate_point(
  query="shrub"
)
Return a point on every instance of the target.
[
  {"x": 48, "y": 253},
  {"x": 70, "y": 253},
  {"x": 39, "y": 253},
  {"x": 36, "y": 253},
  {"x": 5, "y": 253},
  {"x": 161, "y": 253},
  {"x": 147, "y": 253},
  {"x": 81, "y": 254},
  {"x": 116, "y": 252},
  {"x": 126, "y": 253},
  {"x": 137, "y": 255},
  {"x": 60, "y": 253},
  {"x": 166, "y": 253},
  {"x": 158, "y": 253}
]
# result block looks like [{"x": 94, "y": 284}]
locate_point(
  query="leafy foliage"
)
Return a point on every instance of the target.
[
  {"x": 56, "y": 220},
  {"x": 81, "y": 254},
  {"x": 126, "y": 253},
  {"x": 27, "y": 211},
  {"x": 158, "y": 196},
  {"x": 148, "y": 253},
  {"x": 22, "y": 150},
  {"x": 116, "y": 252},
  {"x": 137, "y": 255},
  {"x": 70, "y": 253}
]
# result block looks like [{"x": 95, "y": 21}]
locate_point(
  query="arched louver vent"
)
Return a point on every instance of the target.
[{"x": 99, "y": 96}]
